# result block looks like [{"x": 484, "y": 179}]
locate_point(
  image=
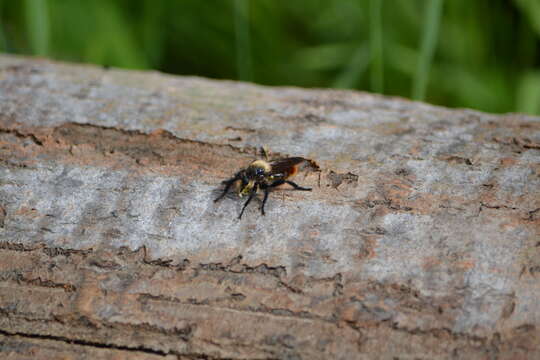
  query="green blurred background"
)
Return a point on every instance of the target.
[{"x": 481, "y": 54}]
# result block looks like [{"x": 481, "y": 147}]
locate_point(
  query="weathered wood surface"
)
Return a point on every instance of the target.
[{"x": 421, "y": 238}]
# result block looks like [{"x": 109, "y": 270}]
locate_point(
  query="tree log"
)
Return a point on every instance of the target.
[{"x": 420, "y": 239}]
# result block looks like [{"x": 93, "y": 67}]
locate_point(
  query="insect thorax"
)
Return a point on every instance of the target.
[{"x": 261, "y": 164}]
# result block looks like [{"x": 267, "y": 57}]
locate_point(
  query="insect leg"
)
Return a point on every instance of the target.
[
  {"x": 266, "y": 192},
  {"x": 251, "y": 195},
  {"x": 228, "y": 184},
  {"x": 296, "y": 186},
  {"x": 276, "y": 183}
]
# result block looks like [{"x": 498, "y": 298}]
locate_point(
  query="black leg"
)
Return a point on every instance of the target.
[
  {"x": 276, "y": 183},
  {"x": 228, "y": 184},
  {"x": 266, "y": 192},
  {"x": 296, "y": 186},
  {"x": 251, "y": 195}
]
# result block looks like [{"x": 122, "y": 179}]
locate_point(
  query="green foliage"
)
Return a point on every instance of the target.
[
  {"x": 376, "y": 45},
  {"x": 482, "y": 54},
  {"x": 429, "y": 41},
  {"x": 37, "y": 26}
]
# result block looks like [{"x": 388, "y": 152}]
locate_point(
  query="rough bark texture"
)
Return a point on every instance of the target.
[{"x": 421, "y": 238}]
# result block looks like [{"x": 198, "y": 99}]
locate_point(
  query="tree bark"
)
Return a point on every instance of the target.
[{"x": 420, "y": 239}]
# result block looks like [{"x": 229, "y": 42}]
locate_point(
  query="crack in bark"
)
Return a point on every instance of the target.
[
  {"x": 17, "y": 133},
  {"x": 101, "y": 345},
  {"x": 518, "y": 142},
  {"x": 264, "y": 310},
  {"x": 93, "y": 344},
  {"x": 49, "y": 251},
  {"x": 235, "y": 266},
  {"x": 19, "y": 278},
  {"x": 73, "y": 320},
  {"x": 456, "y": 160},
  {"x": 497, "y": 207},
  {"x": 75, "y": 132},
  {"x": 441, "y": 332}
]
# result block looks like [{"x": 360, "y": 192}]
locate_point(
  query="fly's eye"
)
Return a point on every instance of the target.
[{"x": 259, "y": 172}]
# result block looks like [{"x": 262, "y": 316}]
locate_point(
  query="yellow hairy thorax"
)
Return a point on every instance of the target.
[{"x": 261, "y": 164}]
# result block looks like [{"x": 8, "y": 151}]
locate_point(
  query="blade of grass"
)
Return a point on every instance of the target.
[
  {"x": 3, "y": 42},
  {"x": 37, "y": 26},
  {"x": 114, "y": 43},
  {"x": 376, "y": 46},
  {"x": 358, "y": 64},
  {"x": 528, "y": 93},
  {"x": 427, "y": 49},
  {"x": 323, "y": 57},
  {"x": 152, "y": 33},
  {"x": 243, "y": 46},
  {"x": 3, "y": 45},
  {"x": 531, "y": 10}
]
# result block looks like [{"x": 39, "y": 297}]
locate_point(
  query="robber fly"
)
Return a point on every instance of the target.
[{"x": 263, "y": 175}]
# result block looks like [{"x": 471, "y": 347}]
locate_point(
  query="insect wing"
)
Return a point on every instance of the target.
[{"x": 286, "y": 167}]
